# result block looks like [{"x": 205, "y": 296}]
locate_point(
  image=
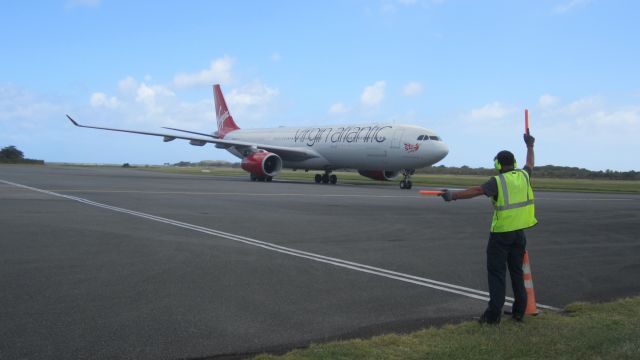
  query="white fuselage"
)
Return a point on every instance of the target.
[{"x": 364, "y": 147}]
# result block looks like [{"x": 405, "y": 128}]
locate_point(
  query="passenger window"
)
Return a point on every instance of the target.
[{"x": 420, "y": 138}]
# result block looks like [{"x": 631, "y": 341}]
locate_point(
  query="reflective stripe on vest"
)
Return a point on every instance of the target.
[
  {"x": 513, "y": 211},
  {"x": 505, "y": 193}
]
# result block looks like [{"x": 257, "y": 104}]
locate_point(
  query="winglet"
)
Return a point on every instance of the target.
[{"x": 73, "y": 121}]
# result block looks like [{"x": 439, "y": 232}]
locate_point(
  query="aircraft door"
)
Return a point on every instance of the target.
[{"x": 396, "y": 140}]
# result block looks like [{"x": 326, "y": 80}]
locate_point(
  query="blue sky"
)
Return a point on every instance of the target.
[{"x": 465, "y": 69}]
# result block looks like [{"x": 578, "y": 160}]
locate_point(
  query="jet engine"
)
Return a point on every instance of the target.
[
  {"x": 262, "y": 164},
  {"x": 382, "y": 175}
]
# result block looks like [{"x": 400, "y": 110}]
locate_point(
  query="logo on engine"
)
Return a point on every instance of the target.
[{"x": 410, "y": 148}]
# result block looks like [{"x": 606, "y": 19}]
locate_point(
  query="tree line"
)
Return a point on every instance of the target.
[
  {"x": 11, "y": 155},
  {"x": 546, "y": 171}
]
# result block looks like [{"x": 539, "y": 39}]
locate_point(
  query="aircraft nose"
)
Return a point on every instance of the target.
[{"x": 442, "y": 151}]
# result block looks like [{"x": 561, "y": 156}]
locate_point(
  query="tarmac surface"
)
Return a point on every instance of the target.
[{"x": 120, "y": 263}]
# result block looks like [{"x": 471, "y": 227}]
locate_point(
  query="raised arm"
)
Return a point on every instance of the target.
[{"x": 529, "y": 140}]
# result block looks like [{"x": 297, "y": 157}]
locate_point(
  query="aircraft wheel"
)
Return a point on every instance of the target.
[
  {"x": 269, "y": 178},
  {"x": 333, "y": 179},
  {"x": 408, "y": 185},
  {"x": 318, "y": 178},
  {"x": 253, "y": 177},
  {"x": 403, "y": 184},
  {"x": 325, "y": 179}
]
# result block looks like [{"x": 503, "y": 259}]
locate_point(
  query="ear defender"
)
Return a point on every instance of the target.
[{"x": 497, "y": 164}]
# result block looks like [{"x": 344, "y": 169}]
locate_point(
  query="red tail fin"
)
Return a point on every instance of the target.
[{"x": 225, "y": 121}]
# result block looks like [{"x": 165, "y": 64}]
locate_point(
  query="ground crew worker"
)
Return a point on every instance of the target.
[{"x": 512, "y": 199}]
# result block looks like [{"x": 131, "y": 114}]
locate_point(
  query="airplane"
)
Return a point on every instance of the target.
[{"x": 378, "y": 151}]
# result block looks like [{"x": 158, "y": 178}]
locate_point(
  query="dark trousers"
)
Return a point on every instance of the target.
[{"x": 506, "y": 248}]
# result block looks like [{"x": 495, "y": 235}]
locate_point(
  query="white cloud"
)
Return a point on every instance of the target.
[
  {"x": 373, "y": 94},
  {"x": 588, "y": 131},
  {"x": 252, "y": 102},
  {"x": 493, "y": 111},
  {"x": 583, "y": 132},
  {"x": 547, "y": 101},
  {"x": 252, "y": 95},
  {"x": 595, "y": 134},
  {"x": 413, "y": 88},
  {"x": 584, "y": 105},
  {"x": 99, "y": 99},
  {"x": 148, "y": 95},
  {"x": 18, "y": 104},
  {"x": 591, "y": 115},
  {"x": 150, "y": 105},
  {"x": 569, "y": 6},
  {"x": 219, "y": 71},
  {"x": 627, "y": 118},
  {"x": 145, "y": 94},
  {"x": 338, "y": 109},
  {"x": 128, "y": 85}
]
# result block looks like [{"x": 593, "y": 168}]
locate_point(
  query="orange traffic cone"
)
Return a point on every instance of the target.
[{"x": 528, "y": 284}]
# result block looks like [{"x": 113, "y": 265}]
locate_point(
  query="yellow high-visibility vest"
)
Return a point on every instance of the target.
[{"x": 514, "y": 209}]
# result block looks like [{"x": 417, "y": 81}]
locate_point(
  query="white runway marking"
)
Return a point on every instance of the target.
[
  {"x": 408, "y": 196},
  {"x": 451, "y": 288},
  {"x": 241, "y": 194}
]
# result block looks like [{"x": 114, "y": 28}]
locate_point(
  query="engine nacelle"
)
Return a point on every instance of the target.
[
  {"x": 382, "y": 175},
  {"x": 262, "y": 163}
]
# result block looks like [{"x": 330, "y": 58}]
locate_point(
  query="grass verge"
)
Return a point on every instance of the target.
[
  {"x": 571, "y": 185},
  {"x": 583, "y": 331}
]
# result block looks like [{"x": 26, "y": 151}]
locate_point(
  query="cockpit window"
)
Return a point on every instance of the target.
[{"x": 429, "y": 137}]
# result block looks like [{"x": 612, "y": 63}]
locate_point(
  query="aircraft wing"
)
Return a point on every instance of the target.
[
  {"x": 192, "y": 132},
  {"x": 286, "y": 153}
]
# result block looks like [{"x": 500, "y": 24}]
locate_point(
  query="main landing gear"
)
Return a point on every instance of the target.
[
  {"x": 406, "y": 181},
  {"x": 326, "y": 178},
  {"x": 255, "y": 177}
]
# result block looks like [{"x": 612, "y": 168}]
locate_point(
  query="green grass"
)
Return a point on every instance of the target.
[
  {"x": 572, "y": 185},
  {"x": 583, "y": 331}
]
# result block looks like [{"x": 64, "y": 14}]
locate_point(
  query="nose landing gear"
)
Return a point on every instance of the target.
[{"x": 406, "y": 181}]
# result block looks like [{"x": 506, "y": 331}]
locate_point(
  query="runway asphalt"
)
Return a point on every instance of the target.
[{"x": 144, "y": 265}]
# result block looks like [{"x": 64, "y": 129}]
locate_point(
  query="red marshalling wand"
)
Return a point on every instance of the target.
[{"x": 430, "y": 192}]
